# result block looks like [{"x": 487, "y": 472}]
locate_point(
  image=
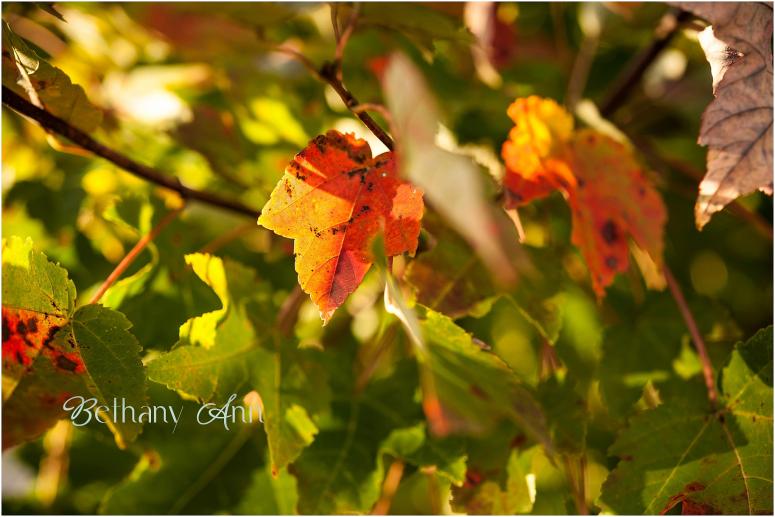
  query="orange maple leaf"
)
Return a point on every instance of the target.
[
  {"x": 333, "y": 200},
  {"x": 607, "y": 190}
]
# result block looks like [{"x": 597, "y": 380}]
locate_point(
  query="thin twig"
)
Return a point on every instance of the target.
[
  {"x": 57, "y": 125},
  {"x": 668, "y": 27},
  {"x": 334, "y": 20},
  {"x": 341, "y": 41},
  {"x": 289, "y": 311},
  {"x": 694, "y": 331},
  {"x": 301, "y": 58},
  {"x": 389, "y": 488},
  {"x": 134, "y": 253}
]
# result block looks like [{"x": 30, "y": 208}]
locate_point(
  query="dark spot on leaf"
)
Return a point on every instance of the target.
[
  {"x": 694, "y": 486},
  {"x": 67, "y": 363},
  {"x": 21, "y": 328},
  {"x": 50, "y": 337},
  {"x": 320, "y": 143},
  {"x": 611, "y": 262},
  {"x": 6, "y": 330},
  {"x": 610, "y": 232},
  {"x": 477, "y": 391}
]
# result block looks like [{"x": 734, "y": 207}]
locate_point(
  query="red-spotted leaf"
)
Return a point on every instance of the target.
[
  {"x": 610, "y": 197},
  {"x": 52, "y": 351},
  {"x": 333, "y": 199}
]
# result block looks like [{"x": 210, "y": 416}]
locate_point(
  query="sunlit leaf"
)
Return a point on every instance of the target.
[
  {"x": 707, "y": 461},
  {"x": 333, "y": 200},
  {"x": 610, "y": 197}
]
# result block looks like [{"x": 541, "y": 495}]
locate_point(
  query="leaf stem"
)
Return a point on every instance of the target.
[
  {"x": 694, "y": 331},
  {"x": 134, "y": 253},
  {"x": 57, "y": 125},
  {"x": 668, "y": 27}
]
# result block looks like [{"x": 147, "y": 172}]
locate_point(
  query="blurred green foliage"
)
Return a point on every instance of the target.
[{"x": 200, "y": 92}]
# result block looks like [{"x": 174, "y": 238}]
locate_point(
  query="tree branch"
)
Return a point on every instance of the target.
[
  {"x": 328, "y": 72},
  {"x": 630, "y": 77},
  {"x": 56, "y": 125},
  {"x": 694, "y": 331},
  {"x": 331, "y": 73}
]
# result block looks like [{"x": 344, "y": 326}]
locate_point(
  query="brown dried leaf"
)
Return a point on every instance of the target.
[{"x": 737, "y": 124}]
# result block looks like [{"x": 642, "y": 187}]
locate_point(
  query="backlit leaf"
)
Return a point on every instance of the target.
[
  {"x": 233, "y": 350},
  {"x": 472, "y": 388},
  {"x": 610, "y": 197},
  {"x": 333, "y": 200},
  {"x": 36, "y": 80},
  {"x": 51, "y": 353},
  {"x": 710, "y": 462},
  {"x": 453, "y": 182},
  {"x": 450, "y": 278},
  {"x": 737, "y": 124}
]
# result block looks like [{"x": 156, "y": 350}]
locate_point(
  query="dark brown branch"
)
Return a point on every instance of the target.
[
  {"x": 60, "y": 127},
  {"x": 328, "y": 73},
  {"x": 631, "y": 76}
]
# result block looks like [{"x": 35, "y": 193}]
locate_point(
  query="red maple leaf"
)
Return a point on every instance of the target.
[{"x": 333, "y": 199}]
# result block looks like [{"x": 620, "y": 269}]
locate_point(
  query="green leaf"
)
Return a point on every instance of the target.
[
  {"x": 449, "y": 278},
  {"x": 182, "y": 466},
  {"x": 220, "y": 353},
  {"x": 514, "y": 498},
  {"x": 111, "y": 357},
  {"x": 469, "y": 389},
  {"x": 33, "y": 283},
  {"x": 213, "y": 357},
  {"x": 414, "y": 445},
  {"x": 648, "y": 346},
  {"x": 566, "y": 413},
  {"x": 289, "y": 381},
  {"x": 51, "y": 354},
  {"x": 341, "y": 471},
  {"x": 419, "y": 23},
  {"x": 36, "y": 80},
  {"x": 270, "y": 495},
  {"x": 710, "y": 462}
]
